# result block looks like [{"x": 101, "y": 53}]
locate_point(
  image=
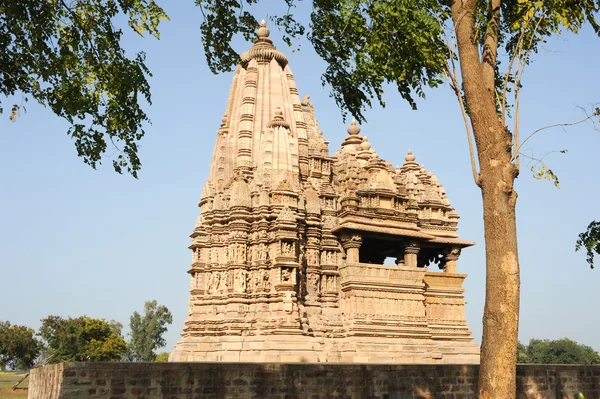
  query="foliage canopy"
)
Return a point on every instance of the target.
[
  {"x": 405, "y": 43},
  {"x": 147, "y": 332},
  {"x": 67, "y": 55},
  {"x": 162, "y": 357},
  {"x": 19, "y": 348},
  {"x": 561, "y": 351},
  {"x": 82, "y": 339},
  {"x": 590, "y": 240}
]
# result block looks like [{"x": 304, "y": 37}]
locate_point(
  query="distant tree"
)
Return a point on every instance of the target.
[
  {"x": 18, "y": 347},
  {"x": 82, "y": 339},
  {"x": 162, "y": 357},
  {"x": 522, "y": 356},
  {"x": 67, "y": 55},
  {"x": 147, "y": 331},
  {"x": 590, "y": 240},
  {"x": 561, "y": 351}
]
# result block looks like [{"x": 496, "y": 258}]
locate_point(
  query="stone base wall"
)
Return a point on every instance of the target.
[
  {"x": 308, "y": 380},
  {"x": 303, "y": 349}
]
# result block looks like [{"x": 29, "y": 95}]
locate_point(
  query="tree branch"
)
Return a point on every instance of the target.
[
  {"x": 452, "y": 79},
  {"x": 520, "y": 68},
  {"x": 490, "y": 45},
  {"x": 587, "y": 118}
]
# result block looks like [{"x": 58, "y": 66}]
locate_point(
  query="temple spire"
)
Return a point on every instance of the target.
[{"x": 263, "y": 97}]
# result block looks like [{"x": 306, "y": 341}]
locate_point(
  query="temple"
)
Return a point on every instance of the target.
[{"x": 290, "y": 245}]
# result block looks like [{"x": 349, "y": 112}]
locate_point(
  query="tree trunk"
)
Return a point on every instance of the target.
[{"x": 497, "y": 375}]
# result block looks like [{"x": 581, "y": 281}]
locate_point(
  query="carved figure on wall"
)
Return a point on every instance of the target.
[
  {"x": 313, "y": 284},
  {"x": 454, "y": 253},
  {"x": 305, "y": 102},
  {"x": 231, "y": 252},
  {"x": 331, "y": 284},
  {"x": 213, "y": 282},
  {"x": 328, "y": 257},
  {"x": 241, "y": 253},
  {"x": 313, "y": 257},
  {"x": 264, "y": 273},
  {"x": 286, "y": 249},
  {"x": 286, "y": 275},
  {"x": 239, "y": 284},
  {"x": 261, "y": 251},
  {"x": 254, "y": 280},
  {"x": 222, "y": 282},
  {"x": 331, "y": 257}
]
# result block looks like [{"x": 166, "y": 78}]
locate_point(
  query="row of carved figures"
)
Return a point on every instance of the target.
[
  {"x": 259, "y": 280},
  {"x": 238, "y": 253}
]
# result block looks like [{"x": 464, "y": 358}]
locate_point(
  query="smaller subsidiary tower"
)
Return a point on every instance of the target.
[{"x": 289, "y": 248}]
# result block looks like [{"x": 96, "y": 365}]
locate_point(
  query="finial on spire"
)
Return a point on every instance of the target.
[
  {"x": 365, "y": 145},
  {"x": 263, "y": 31},
  {"x": 278, "y": 119},
  {"x": 278, "y": 113},
  {"x": 353, "y": 129},
  {"x": 410, "y": 157}
]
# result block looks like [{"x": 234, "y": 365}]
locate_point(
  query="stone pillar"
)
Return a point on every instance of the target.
[
  {"x": 352, "y": 243},
  {"x": 410, "y": 254},
  {"x": 451, "y": 257}
]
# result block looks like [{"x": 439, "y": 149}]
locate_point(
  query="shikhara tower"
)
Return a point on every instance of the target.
[{"x": 289, "y": 247}]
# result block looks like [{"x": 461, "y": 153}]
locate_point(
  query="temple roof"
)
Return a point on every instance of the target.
[{"x": 269, "y": 141}]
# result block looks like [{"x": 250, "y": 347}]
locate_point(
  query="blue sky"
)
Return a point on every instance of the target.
[{"x": 76, "y": 241}]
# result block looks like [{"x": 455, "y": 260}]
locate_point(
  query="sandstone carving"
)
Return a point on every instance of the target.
[{"x": 304, "y": 256}]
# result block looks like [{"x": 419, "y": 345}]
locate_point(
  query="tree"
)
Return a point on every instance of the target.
[
  {"x": 590, "y": 240},
  {"x": 522, "y": 356},
  {"x": 562, "y": 351},
  {"x": 162, "y": 357},
  {"x": 147, "y": 331},
  {"x": 82, "y": 339},
  {"x": 413, "y": 45},
  {"x": 18, "y": 347},
  {"x": 67, "y": 55}
]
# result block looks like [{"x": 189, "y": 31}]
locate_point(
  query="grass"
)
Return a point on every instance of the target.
[{"x": 7, "y": 380}]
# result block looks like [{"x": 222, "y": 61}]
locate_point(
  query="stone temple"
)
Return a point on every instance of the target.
[{"x": 289, "y": 249}]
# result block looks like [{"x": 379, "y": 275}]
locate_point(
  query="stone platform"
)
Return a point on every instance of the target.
[{"x": 298, "y": 380}]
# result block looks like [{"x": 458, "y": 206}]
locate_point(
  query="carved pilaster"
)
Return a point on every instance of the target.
[
  {"x": 351, "y": 243},
  {"x": 451, "y": 258},
  {"x": 410, "y": 253}
]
